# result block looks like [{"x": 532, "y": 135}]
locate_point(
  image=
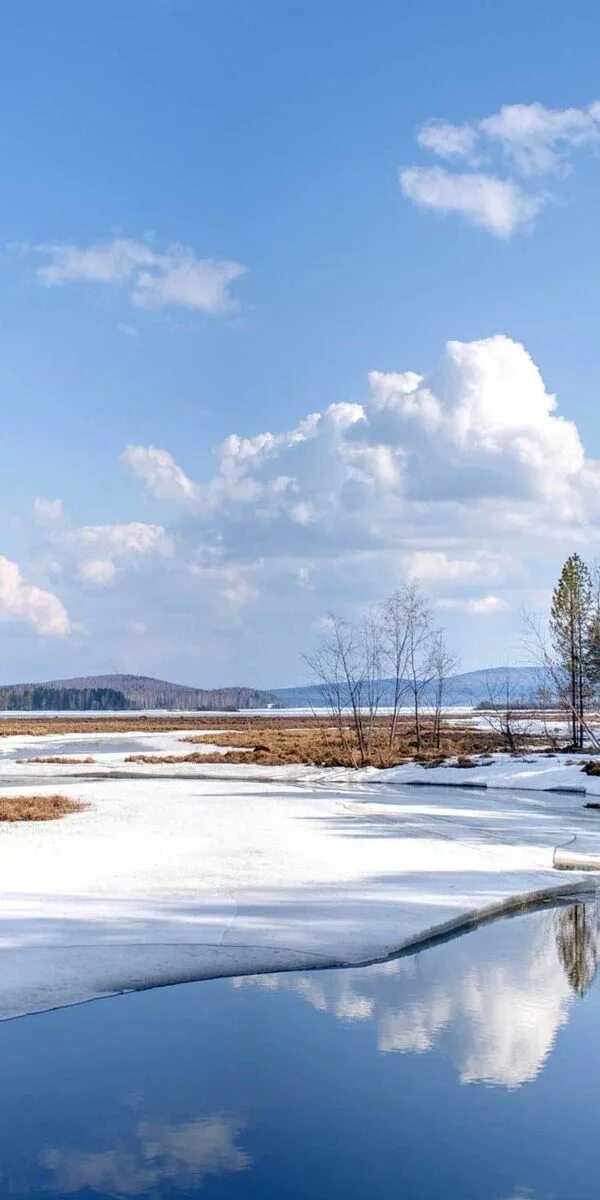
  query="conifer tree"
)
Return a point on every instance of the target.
[{"x": 570, "y": 617}]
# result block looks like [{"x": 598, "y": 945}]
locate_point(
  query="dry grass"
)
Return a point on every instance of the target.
[
  {"x": 37, "y": 808},
  {"x": 166, "y": 759},
  {"x": 62, "y": 760},
  {"x": 41, "y": 726},
  {"x": 278, "y": 740},
  {"x": 312, "y": 742}
]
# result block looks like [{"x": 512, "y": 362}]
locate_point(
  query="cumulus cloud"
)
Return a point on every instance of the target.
[
  {"x": 529, "y": 140},
  {"x": 22, "y": 602},
  {"x": 476, "y": 448},
  {"x": 498, "y": 205},
  {"x": 160, "y": 473},
  {"x": 482, "y": 424},
  {"x": 128, "y": 540},
  {"x": 100, "y": 549},
  {"x": 467, "y": 477},
  {"x": 98, "y": 571},
  {"x": 177, "y": 277}
]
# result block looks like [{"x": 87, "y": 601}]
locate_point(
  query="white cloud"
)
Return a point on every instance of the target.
[
  {"x": 22, "y": 602},
  {"x": 124, "y": 541},
  {"x": 481, "y": 606},
  {"x": 175, "y": 278},
  {"x": 99, "y": 549},
  {"x": 482, "y": 424},
  {"x": 106, "y": 262},
  {"x": 498, "y": 205},
  {"x": 159, "y": 472},
  {"x": 447, "y": 140},
  {"x": 181, "y": 279},
  {"x": 530, "y": 139},
  {"x": 436, "y": 566},
  {"x": 476, "y": 447},
  {"x": 98, "y": 571},
  {"x": 534, "y": 138},
  {"x": 48, "y": 510},
  {"x": 466, "y": 476}
]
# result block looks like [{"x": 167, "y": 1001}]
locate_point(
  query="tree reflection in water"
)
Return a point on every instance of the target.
[{"x": 577, "y": 931}]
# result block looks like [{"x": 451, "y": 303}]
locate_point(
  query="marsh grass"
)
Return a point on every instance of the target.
[
  {"x": 313, "y": 743},
  {"x": 280, "y": 740},
  {"x": 62, "y": 760},
  {"x": 38, "y": 808}
]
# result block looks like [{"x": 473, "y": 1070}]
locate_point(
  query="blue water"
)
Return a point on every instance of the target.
[{"x": 468, "y": 1072}]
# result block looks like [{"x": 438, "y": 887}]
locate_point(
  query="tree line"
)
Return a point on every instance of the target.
[{"x": 41, "y": 698}]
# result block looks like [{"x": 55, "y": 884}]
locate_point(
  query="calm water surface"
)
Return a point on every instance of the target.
[{"x": 468, "y": 1072}]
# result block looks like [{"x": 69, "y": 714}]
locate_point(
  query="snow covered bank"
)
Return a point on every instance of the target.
[{"x": 171, "y": 878}]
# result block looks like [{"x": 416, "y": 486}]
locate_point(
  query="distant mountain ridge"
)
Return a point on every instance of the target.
[
  {"x": 141, "y": 692},
  {"x": 469, "y": 687}
]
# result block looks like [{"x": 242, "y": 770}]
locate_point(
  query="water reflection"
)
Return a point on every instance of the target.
[
  {"x": 324, "y": 1084},
  {"x": 493, "y": 1001},
  {"x": 577, "y": 937},
  {"x": 156, "y": 1153}
]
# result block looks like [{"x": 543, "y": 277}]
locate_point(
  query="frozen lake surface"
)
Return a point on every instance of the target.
[{"x": 468, "y": 1071}]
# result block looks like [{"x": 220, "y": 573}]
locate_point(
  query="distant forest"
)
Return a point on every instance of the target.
[
  {"x": 104, "y": 692},
  {"x": 42, "y": 698}
]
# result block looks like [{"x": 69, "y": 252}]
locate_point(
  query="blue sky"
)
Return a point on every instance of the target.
[{"x": 207, "y": 231}]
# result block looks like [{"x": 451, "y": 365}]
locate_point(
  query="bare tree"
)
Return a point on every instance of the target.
[
  {"x": 442, "y": 664},
  {"x": 395, "y": 641},
  {"x": 419, "y": 635},
  {"x": 347, "y": 664},
  {"x": 350, "y": 664},
  {"x": 371, "y": 638},
  {"x": 503, "y": 712}
]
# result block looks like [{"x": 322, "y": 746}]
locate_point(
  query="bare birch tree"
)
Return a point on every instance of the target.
[
  {"x": 351, "y": 663},
  {"x": 419, "y": 635},
  {"x": 442, "y": 664},
  {"x": 503, "y": 711},
  {"x": 395, "y": 641},
  {"x": 347, "y": 664}
]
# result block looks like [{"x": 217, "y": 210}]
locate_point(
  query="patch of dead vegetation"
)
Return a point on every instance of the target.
[
  {"x": 38, "y": 808},
  {"x": 62, "y": 760},
  {"x": 314, "y": 743},
  {"x": 41, "y": 726},
  {"x": 167, "y": 759},
  {"x": 279, "y": 740}
]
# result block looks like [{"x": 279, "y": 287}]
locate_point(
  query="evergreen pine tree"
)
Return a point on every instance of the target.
[{"x": 570, "y": 617}]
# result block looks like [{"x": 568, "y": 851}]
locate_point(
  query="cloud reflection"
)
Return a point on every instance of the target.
[
  {"x": 180, "y": 1155},
  {"x": 493, "y": 1001}
]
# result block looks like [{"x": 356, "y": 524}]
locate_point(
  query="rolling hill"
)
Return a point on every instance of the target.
[
  {"x": 137, "y": 691},
  {"x": 470, "y": 687}
]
